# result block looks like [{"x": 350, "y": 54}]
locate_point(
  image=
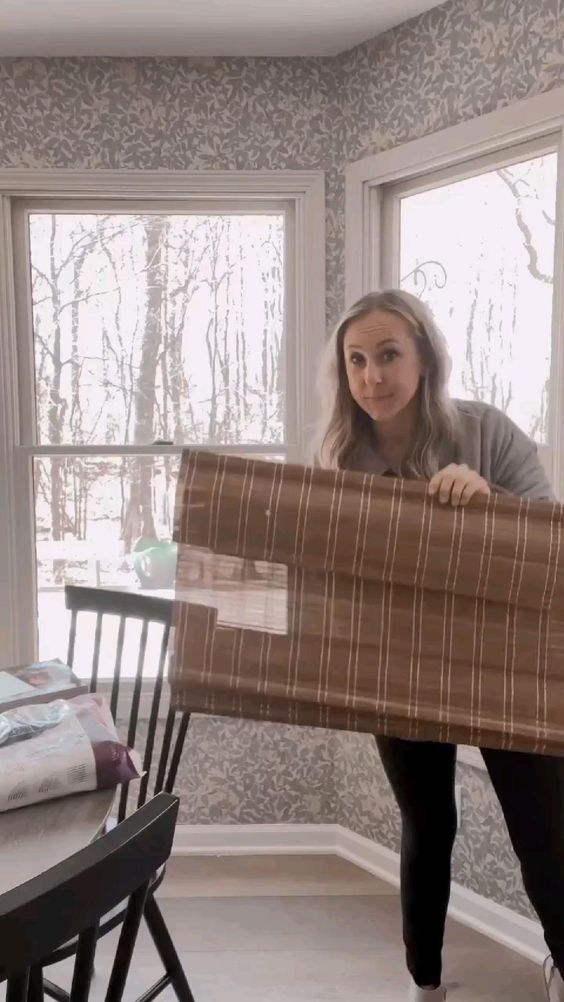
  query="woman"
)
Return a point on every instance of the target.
[{"x": 388, "y": 412}]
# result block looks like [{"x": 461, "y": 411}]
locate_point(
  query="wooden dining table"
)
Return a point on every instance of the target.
[{"x": 35, "y": 838}]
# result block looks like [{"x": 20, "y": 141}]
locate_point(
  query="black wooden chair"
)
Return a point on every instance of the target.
[
  {"x": 130, "y": 606},
  {"x": 69, "y": 901}
]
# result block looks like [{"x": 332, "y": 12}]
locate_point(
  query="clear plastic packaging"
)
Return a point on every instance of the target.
[{"x": 49, "y": 750}]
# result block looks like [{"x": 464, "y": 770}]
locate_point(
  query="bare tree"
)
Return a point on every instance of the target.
[
  {"x": 525, "y": 201},
  {"x": 139, "y": 520}
]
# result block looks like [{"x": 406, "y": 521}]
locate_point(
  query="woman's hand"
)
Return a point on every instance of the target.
[{"x": 457, "y": 484}]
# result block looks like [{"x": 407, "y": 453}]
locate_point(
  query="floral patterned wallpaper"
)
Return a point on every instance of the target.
[
  {"x": 463, "y": 59},
  {"x": 457, "y": 61},
  {"x": 180, "y": 114}
]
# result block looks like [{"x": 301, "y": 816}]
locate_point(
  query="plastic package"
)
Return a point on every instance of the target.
[{"x": 49, "y": 750}]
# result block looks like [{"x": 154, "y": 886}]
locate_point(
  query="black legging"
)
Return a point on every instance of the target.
[{"x": 530, "y": 789}]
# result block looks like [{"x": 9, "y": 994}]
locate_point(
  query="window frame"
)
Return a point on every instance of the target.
[
  {"x": 460, "y": 148},
  {"x": 302, "y": 196}
]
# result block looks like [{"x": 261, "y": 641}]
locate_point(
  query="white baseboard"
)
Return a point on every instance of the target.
[
  {"x": 479, "y": 913},
  {"x": 244, "y": 840},
  {"x": 484, "y": 916}
]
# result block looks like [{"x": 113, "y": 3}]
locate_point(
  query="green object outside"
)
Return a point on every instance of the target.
[{"x": 154, "y": 562}]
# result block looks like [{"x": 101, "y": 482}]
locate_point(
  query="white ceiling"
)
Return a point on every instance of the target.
[{"x": 196, "y": 27}]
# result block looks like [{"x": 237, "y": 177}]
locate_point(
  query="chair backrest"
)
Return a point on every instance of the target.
[
  {"x": 148, "y": 609},
  {"x": 70, "y": 899}
]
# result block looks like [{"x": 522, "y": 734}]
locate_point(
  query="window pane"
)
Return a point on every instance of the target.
[
  {"x": 480, "y": 251},
  {"x": 158, "y": 327},
  {"x": 108, "y": 522},
  {"x": 102, "y": 522}
]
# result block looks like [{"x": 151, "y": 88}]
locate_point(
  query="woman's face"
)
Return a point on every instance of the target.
[{"x": 382, "y": 363}]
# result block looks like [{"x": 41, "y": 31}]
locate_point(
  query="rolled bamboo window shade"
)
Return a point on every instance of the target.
[{"x": 344, "y": 600}]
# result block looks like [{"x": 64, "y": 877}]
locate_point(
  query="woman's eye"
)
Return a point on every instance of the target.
[
  {"x": 390, "y": 355},
  {"x": 357, "y": 359}
]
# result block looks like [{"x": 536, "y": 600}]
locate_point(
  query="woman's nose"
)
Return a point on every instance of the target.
[{"x": 372, "y": 374}]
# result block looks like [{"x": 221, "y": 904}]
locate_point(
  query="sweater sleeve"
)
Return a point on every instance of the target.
[{"x": 515, "y": 464}]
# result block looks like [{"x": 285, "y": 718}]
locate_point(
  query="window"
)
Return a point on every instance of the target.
[
  {"x": 470, "y": 220},
  {"x": 144, "y": 326},
  {"x": 478, "y": 245}
]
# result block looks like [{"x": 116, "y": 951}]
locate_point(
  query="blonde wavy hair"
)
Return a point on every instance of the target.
[{"x": 344, "y": 425}]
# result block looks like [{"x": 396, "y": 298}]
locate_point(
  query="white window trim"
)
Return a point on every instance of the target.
[
  {"x": 533, "y": 119},
  {"x": 304, "y": 189}
]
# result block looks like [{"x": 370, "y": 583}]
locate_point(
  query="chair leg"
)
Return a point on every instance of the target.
[
  {"x": 84, "y": 964},
  {"x": 17, "y": 987},
  {"x": 126, "y": 945},
  {"x": 35, "y": 989},
  {"x": 167, "y": 950}
]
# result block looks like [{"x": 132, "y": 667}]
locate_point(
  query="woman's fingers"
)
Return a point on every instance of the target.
[
  {"x": 448, "y": 483},
  {"x": 457, "y": 485},
  {"x": 461, "y": 489},
  {"x": 443, "y": 481},
  {"x": 469, "y": 489}
]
